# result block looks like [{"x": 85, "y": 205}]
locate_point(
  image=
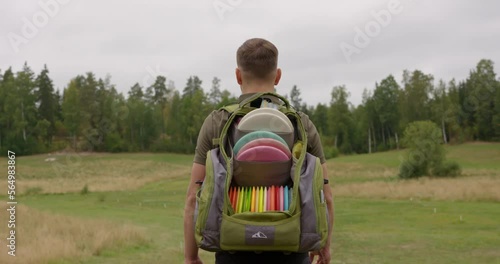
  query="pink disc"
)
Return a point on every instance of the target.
[
  {"x": 262, "y": 153},
  {"x": 267, "y": 142}
]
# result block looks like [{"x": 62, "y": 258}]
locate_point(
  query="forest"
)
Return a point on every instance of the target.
[{"x": 89, "y": 114}]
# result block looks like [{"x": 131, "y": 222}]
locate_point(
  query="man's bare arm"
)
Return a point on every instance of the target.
[
  {"x": 329, "y": 203},
  {"x": 324, "y": 253},
  {"x": 190, "y": 247}
]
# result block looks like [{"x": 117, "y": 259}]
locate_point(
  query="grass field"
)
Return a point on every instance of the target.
[{"x": 132, "y": 211}]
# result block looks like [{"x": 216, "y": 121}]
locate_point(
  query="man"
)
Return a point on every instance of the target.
[{"x": 257, "y": 72}]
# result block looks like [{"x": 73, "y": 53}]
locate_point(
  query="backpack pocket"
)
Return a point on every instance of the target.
[
  {"x": 256, "y": 173},
  {"x": 210, "y": 202},
  {"x": 268, "y": 231},
  {"x": 314, "y": 217}
]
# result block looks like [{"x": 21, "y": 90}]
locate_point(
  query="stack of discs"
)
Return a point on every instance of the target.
[
  {"x": 266, "y": 119},
  {"x": 261, "y": 146},
  {"x": 262, "y": 143},
  {"x": 260, "y": 199}
]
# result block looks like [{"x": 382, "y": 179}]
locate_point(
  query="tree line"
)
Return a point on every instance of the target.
[
  {"x": 465, "y": 110},
  {"x": 91, "y": 115}
]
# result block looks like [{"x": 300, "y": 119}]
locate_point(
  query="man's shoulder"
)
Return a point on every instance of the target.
[
  {"x": 306, "y": 121},
  {"x": 221, "y": 113},
  {"x": 302, "y": 114},
  {"x": 216, "y": 119},
  {"x": 217, "y": 113}
]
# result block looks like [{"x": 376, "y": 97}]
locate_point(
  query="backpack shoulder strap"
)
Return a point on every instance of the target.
[{"x": 228, "y": 109}]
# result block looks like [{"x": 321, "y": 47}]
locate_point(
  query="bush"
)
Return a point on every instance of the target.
[
  {"x": 447, "y": 169},
  {"x": 161, "y": 145},
  {"x": 406, "y": 170},
  {"x": 345, "y": 149},
  {"x": 85, "y": 190},
  {"x": 331, "y": 152},
  {"x": 114, "y": 143},
  {"x": 423, "y": 140},
  {"x": 392, "y": 144},
  {"x": 381, "y": 147},
  {"x": 409, "y": 170}
]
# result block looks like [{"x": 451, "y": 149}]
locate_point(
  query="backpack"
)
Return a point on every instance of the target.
[{"x": 301, "y": 225}]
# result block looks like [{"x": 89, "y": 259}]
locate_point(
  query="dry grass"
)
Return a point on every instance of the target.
[
  {"x": 99, "y": 175},
  {"x": 351, "y": 171},
  {"x": 480, "y": 188},
  {"x": 375, "y": 176},
  {"x": 43, "y": 237}
]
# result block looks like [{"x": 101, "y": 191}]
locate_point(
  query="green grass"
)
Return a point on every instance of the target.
[
  {"x": 178, "y": 159},
  {"x": 74, "y": 162},
  {"x": 476, "y": 155},
  {"x": 158, "y": 207},
  {"x": 366, "y": 230},
  {"x": 387, "y": 158},
  {"x": 475, "y": 159},
  {"x": 385, "y": 231},
  {"x": 469, "y": 156}
]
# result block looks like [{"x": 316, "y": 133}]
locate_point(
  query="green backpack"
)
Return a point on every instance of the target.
[{"x": 302, "y": 227}]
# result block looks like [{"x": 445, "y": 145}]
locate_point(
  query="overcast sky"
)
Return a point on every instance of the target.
[{"x": 131, "y": 40}]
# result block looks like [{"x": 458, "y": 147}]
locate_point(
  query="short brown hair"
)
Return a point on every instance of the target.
[{"x": 258, "y": 57}]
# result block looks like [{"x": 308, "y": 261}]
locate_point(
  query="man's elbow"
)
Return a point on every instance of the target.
[{"x": 190, "y": 203}]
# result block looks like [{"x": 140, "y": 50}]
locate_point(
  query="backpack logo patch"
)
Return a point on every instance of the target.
[{"x": 259, "y": 235}]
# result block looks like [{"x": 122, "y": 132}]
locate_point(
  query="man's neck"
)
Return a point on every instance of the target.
[{"x": 257, "y": 88}]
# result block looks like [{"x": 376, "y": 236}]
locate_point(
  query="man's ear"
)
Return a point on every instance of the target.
[
  {"x": 238, "y": 76},
  {"x": 278, "y": 76}
]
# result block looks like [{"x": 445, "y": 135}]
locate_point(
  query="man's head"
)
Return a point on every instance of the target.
[{"x": 257, "y": 61}]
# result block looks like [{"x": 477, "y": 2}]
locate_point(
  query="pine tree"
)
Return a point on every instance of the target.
[
  {"x": 159, "y": 92},
  {"x": 71, "y": 111},
  {"x": 452, "y": 113},
  {"x": 215, "y": 95},
  {"x": 46, "y": 103},
  {"x": 483, "y": 85},
  {"x": 439, "y": 107},
  {"x": 340, "y": 119},
  {"x": 320, "y": 119},
  {"x": 24, "y": 110},
  {"x": 58, "y": 106},
  {"x": 8, "y": 98},
  {"x": 496, "y": 117},
  {"x": 295, "y": 98},
  {"x": 137, "y": 109},
  {"x": 417, "y": 90},
  {"x": 192, "y": 86},
  {"x": 3, "y": 125},
  {"x": 194, "y": 109},
  {"x": 385, "y": 102}
]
